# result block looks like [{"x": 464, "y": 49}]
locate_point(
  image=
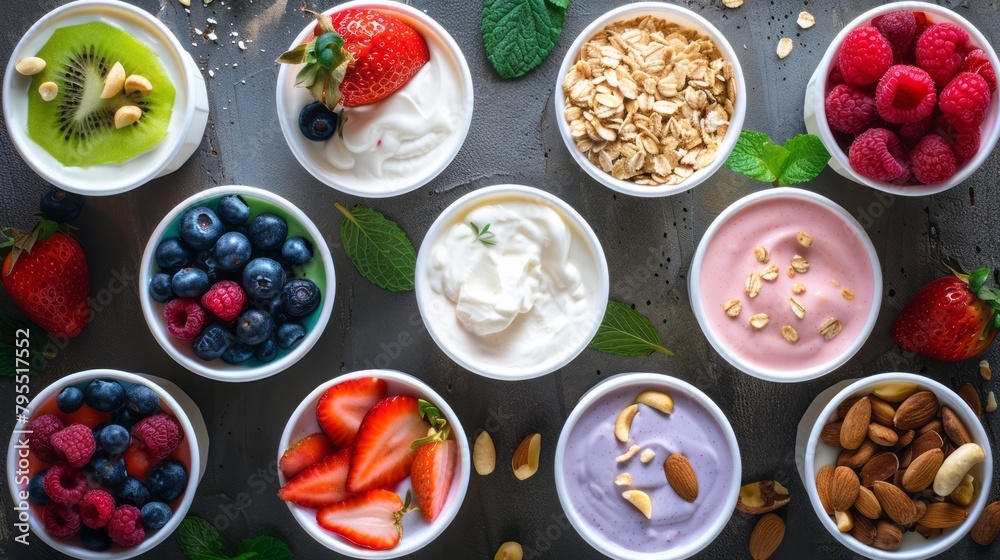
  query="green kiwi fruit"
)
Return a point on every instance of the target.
[{"x": 78, "y": 127}]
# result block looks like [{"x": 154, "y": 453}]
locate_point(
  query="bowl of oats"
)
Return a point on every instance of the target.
[{"x": 651, "y": 99}]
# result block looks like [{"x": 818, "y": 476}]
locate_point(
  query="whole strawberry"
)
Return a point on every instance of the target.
[{"x": 951, "y": 319}]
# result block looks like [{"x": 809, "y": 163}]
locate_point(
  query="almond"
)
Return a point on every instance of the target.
[
  {"x": 905, "y": 438},
  {"x": 830, "y": 434},
  {"x": 845, "y": 406},
  {"x": 879, "y": 467},
  {"x": 640, "y": 500},
  {"x": 857, "y": 458},
  {"x": 987, "y": 526},
  {"x": 855, "y": 427},
  {"x": 934, "y": 425},
  {"x": 525, "y": 460},
  {"x": 921, "y": 472},
  {"x": 484, "y": 454},
  {"x": 971, "y": 397},
  {"x": 895, "y": 503},
  {"x": 824, "y": 482},
  {"x": 927, "y": 532},
  {"x": 623, "y": 424},
  {"x": 887, "y": 536},
  {"x": 942, "y": 515},
  {"x": 509, "y": 550},
  {"x": 886, "y": 437},
  {"x": 681, "y": 477},
  {"x": 843, "y": 489},
  {"x": 923, "y": 444},
  {"x": 762, "y": 497},
  {"x": 954, "y": 427},
  {"x": 895, "y": 391},
  {"x": 882, "y": 412},
  {"x": 867, "y": 504},
  {"x": 916, "y": 410},
  {"x": 864, "y": 530},
  {"x": 766, "y": 536},
  {"x": 657, "y": 400},
  {"x": 845, "y": 521}
]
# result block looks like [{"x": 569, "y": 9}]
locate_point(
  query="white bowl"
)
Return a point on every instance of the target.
[
  {"x": 193, "y": 427},
  {"x": 816, "y": 92},
  {"x": 438, "y": 312},
  {"x": 701, "y": 313},
  {"x": 324, "y": 277},
  {"x": 679, "y": 15},
  {"x": 914, "y": 546},
  {"x": 417, "y": 533},
  {"x": 187, "y": 120},
  {"x": 311, "y": 154},
  {"x": 669, "y": 385}
]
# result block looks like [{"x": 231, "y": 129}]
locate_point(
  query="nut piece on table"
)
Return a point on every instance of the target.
[
  {"x": 509, "y": 550},
  {"x": 766, "y": 536},
  {"x": 525, "y": 460},
  {"x": 732, "y": 3},
  {"x": 762, "y": 497},
  {"x": 984, "y": 370},
  {"x": 484, "y": 454},
  {"x": 987, "y": 526},
  {"x": 806, "y": 20},
  {"x": 640, "y": 500},
  {"x": 971, "y": 397},
  {"x": 784, "y": 47},
  {"x": 991, "y": 402}
]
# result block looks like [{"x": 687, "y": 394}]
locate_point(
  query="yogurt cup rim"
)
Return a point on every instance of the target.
[
  {"x": 568, "y": 213},
  {"x": 331, "y": 541},
  {"x": 946, "y": 397},
  {"x": 216, "y": 369},
  {"x": 187, "y": 429},
  {"x": 701, "y": 313},
  {"x": 613, "y": 383},
  {"x": 27, "y": 147},
  {"x": 664, "y": 11},
  {"x": 290, "y": 129}
]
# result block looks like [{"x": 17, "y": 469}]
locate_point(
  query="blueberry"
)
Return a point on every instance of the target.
[
  {"x": 299, "y": 297},
  {"x": 263, "y": 278},
  {"x": 166, "y": 480},
  {"x": 172, "y": 254},
  {"x": 36, "y": 489},
  {"x": 317, "y": 122},
  {"x": 233, "y": 210},
  {"x": 141, "y": 400},
  {"x": 267, "y": 351},
  {"x": 190, "y": 282},
  {"x": 114, "y": 439},
  {"x": 104, "y": 394},
  {"x": 212, "y": 342},
  {"x": 206, "y": 261},
  {"x": 296, "y": 250},
  {"x": 201, "y": 227},
  {"x": 290, "y": 334},
  {"x": 267, "y": 232},
  {"x": 238, "y": 353},
  {"x": 110, "y": 471},
  {"x": 133, "y": 492},
  {"x": 156, "y": 514},
  {"x": 253, "y": 326},
  {"x": 95, "y": 539},
  {"x": 231, "y": 251},
  {"x": 125, "y": 417},
  {"x": 90, "y": 469},
  {"x": 60, "y": 206},
  {"x": 70, "y": 399},
  {"x": 160, "y": 288}
]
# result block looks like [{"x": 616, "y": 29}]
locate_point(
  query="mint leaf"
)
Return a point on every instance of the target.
[
  {"x": 977, "y": 279},
  {"x": 752, "y": 156},
  {"x": 199, "y": 540},
  {"x": 265, "y": 548},
  {"x": 520, "y": 34},
  {"x": 626, "y": 332},
  {"x": 378, "y": 248},
  {"x": 807, "y": 159},
  {"x": 801, "y": 159}
]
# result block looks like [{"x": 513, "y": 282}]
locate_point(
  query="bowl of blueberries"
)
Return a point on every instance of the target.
[{"x": 236, "y": 284}]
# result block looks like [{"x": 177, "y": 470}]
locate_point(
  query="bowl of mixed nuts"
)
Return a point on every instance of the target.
[
  {"x": 651, "y": 98},
  {"x": 898, "y": 466}
]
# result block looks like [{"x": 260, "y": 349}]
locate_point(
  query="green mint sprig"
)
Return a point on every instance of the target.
[
  {"x": 801, "y": 159},
  {"x": 626, "y": 332},
  {"x": 378, "y": 248},
  {"x": 484, "y": 236},
  {"x": 520, "y": 34},
  {"x": 200, "y": 540}
]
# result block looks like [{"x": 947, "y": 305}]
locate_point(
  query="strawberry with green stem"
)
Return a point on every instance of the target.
[{"x": 434, "y": 465}]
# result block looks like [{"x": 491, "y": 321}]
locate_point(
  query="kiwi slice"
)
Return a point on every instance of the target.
[{"x": 78, "y": 127}]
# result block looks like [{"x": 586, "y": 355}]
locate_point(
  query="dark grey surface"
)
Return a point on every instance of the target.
[{"x": 649, "y": 244}]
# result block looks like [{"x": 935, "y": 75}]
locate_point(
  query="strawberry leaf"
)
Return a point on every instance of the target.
[
  {"x": 294, "y": 56},
  {"x": 378, "y": 248},
  {"x": 325, "y": 64},
  {"x": 996, "y": 320},
  {"x": 626, "y": 332},
  {"x": 977, "y": 279}
]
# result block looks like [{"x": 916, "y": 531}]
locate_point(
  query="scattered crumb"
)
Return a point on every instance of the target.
[
  {"x": 784, "y": 47},
  {"x": 211, "y": 73},
  {"x": 806, "y": 20},
  {"x": 242, "y": 46},
  {"x": 732, "y": 3},
  {"x": 212, "y": 36}
]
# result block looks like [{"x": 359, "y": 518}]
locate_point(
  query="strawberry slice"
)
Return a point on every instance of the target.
[
  {"x": 304, "y": 453},
  {"x": 434, "y": 465},
  {"x": 372, "y": 520},
  {"x": 138, "y": 460},
  {"x": 342, "y": 407},
  {"x": 382, "y": 452},
  {"x": 321, "y": 484}
]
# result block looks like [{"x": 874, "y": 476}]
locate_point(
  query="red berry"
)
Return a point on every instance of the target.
[
  {"x": 977, "y": 61},
  {"x": 836, "y": 76},
  {"x": 185, "y": 318},
  {"x": 939, "y": 51},
  {"x": 964, "y": 101},
  {"x": 877, "y": 154},
  {"x": 60, "y": 521},
  {"x": 966, "y": 145},
  {"x": 40, "y": 443},
  {"x": 159, "y": 433},
  {"x": 850, "y": 109},
  {"x": 898, "y": 28},
  {"x": 905, "y": 94},
  {"x": 64, "y": 485},
  {"x": 96, "y": 508},
  {"x": 225, "y": 299},
  {"x": 864, "y": 56},
  {"x": 75, "y": 444},
  {"x": 125, "y": 527},
  {"x": 911, "y": 133},
  {"x": 932, "y": 160}
]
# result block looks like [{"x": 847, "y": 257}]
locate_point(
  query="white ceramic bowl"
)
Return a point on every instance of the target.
[
  {"x": 417, "y": 533},
  {"x": 319, "y": 270},
  {"x": 914, "y": 546},
  {"x": 174, "y": 401},
  {"x": 701, "y": 312},
  {"x": 679, "y": 15},
  {"x": 311, "y": 154},
  {"x": 672, "y": 386},
  {"x": 187, "y": 121},
  {"x": 816, "y": 92},
  {"x": 438, "y": 312}
]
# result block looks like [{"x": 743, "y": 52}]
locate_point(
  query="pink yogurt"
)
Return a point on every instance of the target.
[{"x": 837, "y": 256}]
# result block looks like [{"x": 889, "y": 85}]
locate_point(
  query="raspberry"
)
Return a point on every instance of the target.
[
  {"x": 75, "y": 444},
  {"x": 977, "y": 61},
  {"x": 932, "y": 160},
  {"x": 836, "y": 76},
  {"x": 41, "y": 429},
  {"x": 964, "y": 101},
  {"x": 911, "y": 133},
  {"x": 60, "y": 521},
  {"x": 905, "y": 94},
  {"x": 96, "y": 508},
  {"x": 225, "y": 299},
  {"x": 125, "y": 527},
  {"x": 185, "y": 318},
  {"x": 877, "y": 154},
  {"x": 864, "y": 56},
  {"x": 938, "y": 51},
  {"x": 898, "y": 28},
  {"x": 64, "y": 485},
  {"x": 160, "y": 434},
  {"x": 850, "y": 109},
  {"x": 966, "y": 145}
]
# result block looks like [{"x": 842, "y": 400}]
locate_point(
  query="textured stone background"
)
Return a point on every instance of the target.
[{"x": 649, "y": 243}]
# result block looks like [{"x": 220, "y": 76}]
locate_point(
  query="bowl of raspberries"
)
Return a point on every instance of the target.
[
  {"x": 904, "y": 99},
  {"x": 236, "y": 283},
  {"x": 107, "y": 464}
]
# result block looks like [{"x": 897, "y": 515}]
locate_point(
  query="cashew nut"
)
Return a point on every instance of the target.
[{"x": 955, "y": 467}]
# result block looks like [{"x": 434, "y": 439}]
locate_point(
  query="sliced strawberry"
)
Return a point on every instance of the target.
[
  {"x": 431, "y": 475},
  {"x": 138, "y": 461},
  {"x": 321, "y": 484},
  {"x": 371, "y": 520},
  {"x": 382, "y": 451},
  {"x": 304, "y": 453},
  {"x": 342, "y": 407}
]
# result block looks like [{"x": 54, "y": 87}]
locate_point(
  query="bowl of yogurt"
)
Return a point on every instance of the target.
[
  {"x": 786, "y": 285},
  {"x": 595, "y": 467},
  {"x": 511, "y": 282},
  {"x": 395, "y": 145}
]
